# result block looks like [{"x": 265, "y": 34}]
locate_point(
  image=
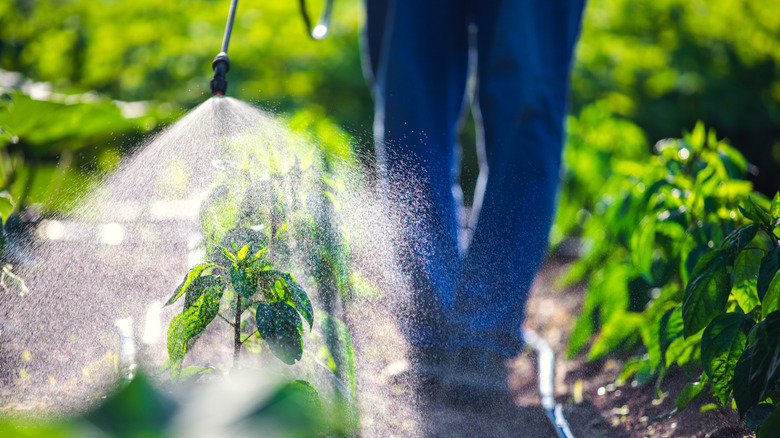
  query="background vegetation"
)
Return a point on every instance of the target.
[{"x": 661, "y": 64}]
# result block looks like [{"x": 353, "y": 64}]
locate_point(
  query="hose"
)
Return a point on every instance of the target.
[{"x": 546, "y": 367}]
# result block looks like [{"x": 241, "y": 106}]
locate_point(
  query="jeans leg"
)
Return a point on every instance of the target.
[
  {"x": 419, "y": 89},
  {"x": 524, "y": 51}
]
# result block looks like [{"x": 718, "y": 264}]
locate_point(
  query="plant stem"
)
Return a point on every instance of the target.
[{"x": 237, "y": 333}]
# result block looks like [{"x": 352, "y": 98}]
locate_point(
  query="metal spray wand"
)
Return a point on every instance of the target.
[{"x": 221, "y": 63}]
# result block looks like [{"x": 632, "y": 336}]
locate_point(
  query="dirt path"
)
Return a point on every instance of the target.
[{"x": 592, "y": 405}]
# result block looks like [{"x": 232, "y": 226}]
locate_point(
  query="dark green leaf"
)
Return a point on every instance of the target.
[
  {"x": 771, "y": 426},
  {"x": 280, "y": 326},
  {"x": 707, "y": 293},
  {"x": 188, "y": 279},
  {"x": 771, "y": 300},
  {"x": 136, "y": 410},
  {"x": 241, "y": 280},
  {"x": 295, "y": 409},
  {"x": 740, "y": 238},
  {"x": 758, "y": 369},
  {"x": 189, "y": 324},
  {"x": 770, "y": 264},
  {"x": 299, "y": 298},
  {"x": 689, "y": 392},
  {"x": 758, "y": 415},
  {"x": 722, "y": 343}
]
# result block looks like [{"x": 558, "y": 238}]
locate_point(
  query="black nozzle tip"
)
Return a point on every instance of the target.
[{"x": 221, "y": 66}]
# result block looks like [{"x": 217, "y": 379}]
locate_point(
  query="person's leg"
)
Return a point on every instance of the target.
[
  {"x": 524, "y": 52},
  {"x": 419, "y": 89}
]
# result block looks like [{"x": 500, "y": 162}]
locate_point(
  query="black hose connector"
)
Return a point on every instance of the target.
[{"x": 221, "y": 66}]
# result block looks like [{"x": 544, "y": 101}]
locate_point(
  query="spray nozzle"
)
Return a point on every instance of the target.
[{"x": 221, "y": 66}]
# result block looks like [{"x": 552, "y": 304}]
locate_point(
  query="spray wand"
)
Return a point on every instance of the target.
[{"x": 221, "y": 63}]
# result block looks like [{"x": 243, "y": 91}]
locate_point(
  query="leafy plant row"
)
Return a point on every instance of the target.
[{"x": 682, "y": 258}]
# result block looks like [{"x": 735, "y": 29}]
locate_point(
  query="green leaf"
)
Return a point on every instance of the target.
[
  {"x": 619, "y": 331},
  {"x": 227, "y": 254},
  {"x": 707, "y": 293},
  {"x": 6, "y": 206},
  {"x": 741, "y": 237},
  {"x": 758, "y": 369},
  {"x": 188, "y": 279},
  {"x": 690, "y": 391},
  {"x": 770, "y": 264},
  {"x": 242, "y": 281},
  {"x": 671, "y": 327},
  {"x": 339, "y": 348},
  {"x": 189, "y": 324},
  {"x": 280, "y": 326},
  {"x": 300, "y": 299},
  {"x": 758, "y": 213},
  {"x": 722, "y": 343},
  {"x": 242, "y": 253},
  {"x": 295, "y": 409},
  {"x": 758, "y": 415},
  {"x": 200, "y": 286},
  {"x": 774, "y": 208},
  {"x": 771, "y": 302},
  {"x": 771, "y": 426},
  {"x": 745, "y": 277}
]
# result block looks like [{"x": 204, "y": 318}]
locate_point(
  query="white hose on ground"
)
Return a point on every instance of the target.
[{"x": 545, "y": 359}]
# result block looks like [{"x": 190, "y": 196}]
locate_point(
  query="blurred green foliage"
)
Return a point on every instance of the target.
[
  {"x": 667, "y": 63},
  {"x": 661, "y": 64}
]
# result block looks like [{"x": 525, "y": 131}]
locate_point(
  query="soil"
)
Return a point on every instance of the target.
[{"x": 592, "y": 404}]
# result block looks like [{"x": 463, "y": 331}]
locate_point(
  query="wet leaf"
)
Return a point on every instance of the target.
[
  {"x": 299, "y": 298},
  {"x": 189, "y": 324},
  {"x": 280, "y": 326},
  {"x": 200, "y": 286},
  {"x": 188, "y": 279},
  {"x": 722, "y": 343},
  {"x": 707, "y": 293}
]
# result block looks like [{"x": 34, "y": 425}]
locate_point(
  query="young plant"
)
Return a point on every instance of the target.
[{"x": 240, "y": 278}]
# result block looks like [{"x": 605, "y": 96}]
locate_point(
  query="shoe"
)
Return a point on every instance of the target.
[{"x": 476, "y": 377}]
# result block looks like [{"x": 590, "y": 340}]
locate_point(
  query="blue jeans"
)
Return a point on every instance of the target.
[{"x": 419, "y": 60}]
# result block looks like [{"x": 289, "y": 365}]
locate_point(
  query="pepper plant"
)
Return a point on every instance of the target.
[
  {"x": 248, "y": 281},
  {"x": 680, "y": 257}
]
